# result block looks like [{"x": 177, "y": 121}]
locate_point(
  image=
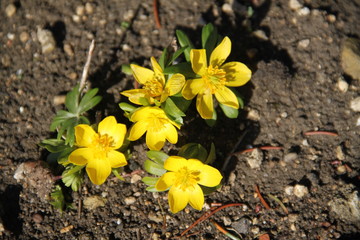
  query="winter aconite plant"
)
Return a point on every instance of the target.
[{"x": 156, "y": 109}]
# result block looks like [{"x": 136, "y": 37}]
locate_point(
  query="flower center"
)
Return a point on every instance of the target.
[
  {"x": 103, "y": 143},
  {"x": 186, "y": 179},
  {"x": 154, "y": 87},
  {"x": 158, "y": 121},
  {"x": 214, "y": 78}
]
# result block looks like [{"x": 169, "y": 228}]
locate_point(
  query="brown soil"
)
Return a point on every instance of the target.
[{"x": 293, "y": 90}]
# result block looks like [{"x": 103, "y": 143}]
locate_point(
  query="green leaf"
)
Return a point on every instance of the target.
[
  {"x": 154, "y": 168},
  {"x": 60, "y": 117},
  {"x": 212, "y": 155},
  {"x": 209, "y": 38},
  {"x": 239, "y": 97},
  {"x": 164, "y": 58},
  {"x": 88, "y": 101},
  {"x": 57, "y": 198},
  {"x": 72, "y": 99},
  {"x": 54, "y": 145},
  {"x": 157, "y": 156},
  {"x": 150, "y": 180},
  {"x": 184, "y": 68},
  {"x": 64, "y": 155},
  {"x": 126, "y": 107},
  {"x": 143, "y": 101},
  {"x": 125, "y": 68},
  {"x": 184, "y": 41},
  {"x": 177, "y": 54},
  {"x": 152, "y": 189},
  {"x": 193, "y": 150},
  {"x": 116, "y": 172},
  {"x": 180, "y": 102},
  {"x": 171, "y": 109},
  {"x": 73, "y": 177},
  {"x": 229, "y": 111},
  {"x": 209, "y": 190}
]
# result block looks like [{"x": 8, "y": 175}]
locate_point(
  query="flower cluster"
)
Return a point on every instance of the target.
[{"x": 160, "y": 104}]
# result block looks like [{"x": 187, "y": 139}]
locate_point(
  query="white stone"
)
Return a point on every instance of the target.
[
  {"x": 355, "y": 104},
  {"x": 346, "y": 208},
  {"x": 93, "y": 202},
  {"x": 290, "y": 157},
  {"x": 260, "y": 34},
  {"x": 46, "y": 40},
  {"x": 80, "y": 10},
  {"x": 342, "y": 85},
  {"x": 254, "y": 159},
  {"x": 358, "y": 122},
  {"x": 253, "y": 115},
  {"x": 289, "y": 190},
  {"x": 304, "y": 43},
  {"x": 294, "y": 5},
  {"x": 10, "y": 10},
  {"x": 135, "y": 178},
  {"x": 300, "y": 190},
  {"x": 129, "y": 200},
  {"x": 304, "y": 11},
  {"x": 89, "y": 8},
  {"x": 226, "y": 8}
]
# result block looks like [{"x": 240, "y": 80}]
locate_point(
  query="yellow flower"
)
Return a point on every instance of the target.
[
  {"x": 215, "y": 79},
  {"x": 98, "y": 150},
  {"x": 158, "y": 126},
  {"x": 154, "y": 85},
  {"x": 183, "y": 179}
]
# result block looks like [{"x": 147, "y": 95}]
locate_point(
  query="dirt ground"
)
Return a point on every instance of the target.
[{"x": 294, "y": 53}]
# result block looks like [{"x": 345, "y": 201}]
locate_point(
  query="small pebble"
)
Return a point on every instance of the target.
[
  {"x": 135, "y": 178},
  {"x": 290, "y": 157},
  {"x": 128, "y": 16},
  {"x": 254, "y": 159},
  {"x": 355, "y": 104},
  {"x": 232, "y": 178},
  {"x": 46, "y": 40},
  {"x": 358, "y": 122},
  {"x": 331, "y": 18},
  {"x": 24, "y": 37},
  {"x": 255, "y": 230},
  {"x": 350, "y": 57},
  {"x": 80, "y": 10},
  {"x": 304, "y": 43},
  {"x": 342, "y": 85},
  {"x": 340, "y": 170},
  {"x": 93, "y": 202},
  {"x": 226, "y": 8},
  {"x": 304, "y": 11},
  {"x": 260, "y": 34},
  {"x": 72, "y": 75},
  {"x": 10, "y": 10},
  {"x": 293, "y": 217},
  {"x": 66, "y": 229},
  {"x": 300, "y": 190},
  {"x": 253, "y": 115},
  {"x": 227, "y": 221},
  {"x": 292, "y": 227},
  {"x": 76, "y": 18},
  {"x": 289, "y": 190},
  {"x": 294, "y": 5},
  {"x": 37, "y": 218},
  {"x": 68, "y": 50},
  {"x": 89, "y": 8},
  {"x": 242, "y": 226},
  {"x": 339, "y": 153},
  {"x": 126, "y": 48},
  {"x": 129, "y": 200},
  {"x": 153, "y": 217}
]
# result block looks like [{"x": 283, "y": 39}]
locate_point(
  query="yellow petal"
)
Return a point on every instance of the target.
[
  {"x": 113, "y": 129},
  {"x": 137, "y": 130},
  {"x": 196, "y": 198},
  {"x": 209, "y": 176},
  {"x": 175, "y": 83},
  {"x": 156, "y": 66},
  {"x": 142, "y": 113},
  {"x": 170, "y": 133},
  {"x": 134, "y": 95},
  {"x": 225, "y": 96},
  {"x": 165, "y": 181},
  {"x": 178, "y": 199},
  {"x": 81, "y": 156},
  {"x": 192, "y": 88},
  {"x": 237, "y": 74},
  {"x": 198, "y": 61},
  {"x": 221, "y": 52},
  {"x": 84, "y": 135},
  {"x": 174, "y": 163},
  {"x": 205, "y": 105},
  {"x": 116, "y": 159},
  {"x": 141, "y": 74},
  {"x": 98, "y": 170},
  {"x": 154, "y": 139}
]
